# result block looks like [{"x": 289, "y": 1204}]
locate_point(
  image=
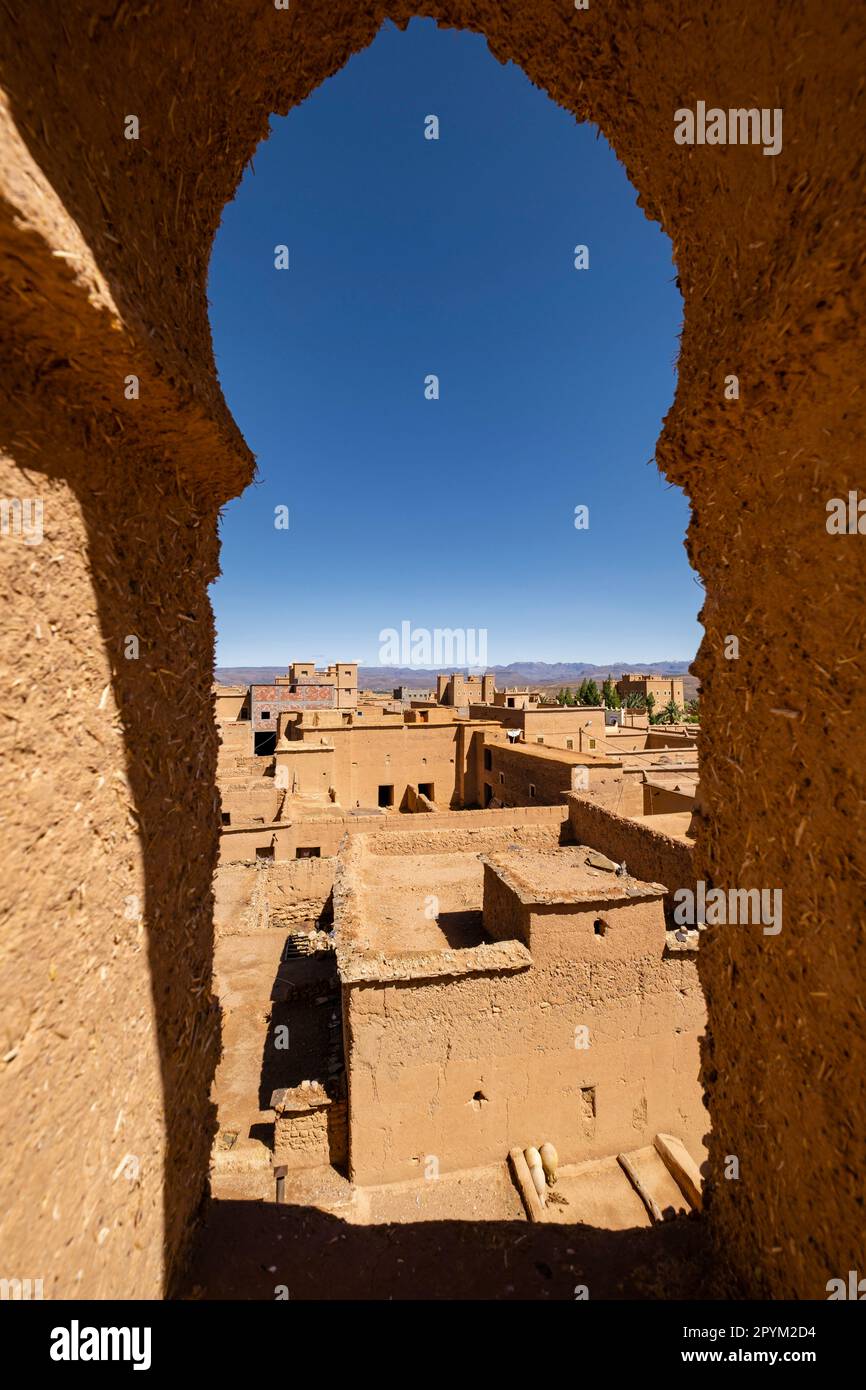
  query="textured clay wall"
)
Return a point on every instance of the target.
[
  {"x": 108, "y": 838},
  {"x": 105, "y": 245},
  {"x": 515, "y": 770},
  {"x": 367, "y": 758},
  {"x": 466, "y": 838}
]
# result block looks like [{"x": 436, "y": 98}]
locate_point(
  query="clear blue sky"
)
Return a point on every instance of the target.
[{"x": 456, "y": 257}]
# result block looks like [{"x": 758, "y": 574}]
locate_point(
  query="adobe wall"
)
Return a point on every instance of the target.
[
  {"x": 105, "y": 245},
  {"x": 515, "y": 770},
  {"x": 469, "y": 837},
  {"x": 662, "y": 800},
  {"x": 461, "y": 1067},
  {"x": 251, "y": 800},
  {"x": 109, "y": 837},
  {"x": 230, "y": 703},
  {"x": 235, "y": 737},
  {"x": 239, "y": 842}
]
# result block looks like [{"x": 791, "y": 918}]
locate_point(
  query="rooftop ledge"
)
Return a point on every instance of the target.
[
  {"x": 491, "y": 957},
  {"x": 554, "y": 879}
]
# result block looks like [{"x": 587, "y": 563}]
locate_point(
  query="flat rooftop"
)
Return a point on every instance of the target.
[
  {"x": 411, "y": 903},
  {"x": 401, "y": 894},
  {"x": 568, "y": 874}
]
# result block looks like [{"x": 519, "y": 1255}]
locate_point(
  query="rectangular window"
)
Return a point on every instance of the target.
[
  {"x": 501, "y": 777},
  {"x": 532, "y": 790},
  {"x": 569, "y": 743},
  {"x": 488, "y": 759},
  {"x": 592, "y": 743},
  {"x": 386, "y": 796},
  {"x": 308, "y": 852},
  {"x": 426, "y": 789},
  {"x": 266, "y": 852},
  {"x": 266, "y": 714},
  {"x": 539, "y": 740},
  {"x": 227, "y": 820}
]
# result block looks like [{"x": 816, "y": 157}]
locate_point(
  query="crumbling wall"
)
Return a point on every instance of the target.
[
  {"x": 105, "y": 244},
  {"x": 251, "y": 897}
]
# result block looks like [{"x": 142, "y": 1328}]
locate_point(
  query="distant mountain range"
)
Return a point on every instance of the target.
[{"x": 542, "y": 673}]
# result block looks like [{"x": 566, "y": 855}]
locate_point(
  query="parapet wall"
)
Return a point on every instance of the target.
[{"x": 453, "y": 831}]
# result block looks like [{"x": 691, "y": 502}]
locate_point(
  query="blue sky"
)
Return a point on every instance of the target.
[{"x": 408, "y": 257}]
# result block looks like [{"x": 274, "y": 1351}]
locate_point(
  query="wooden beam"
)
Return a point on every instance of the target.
[
  {"x": 651, "y": 1205},
  {"x": 525, "y": 1185},
  {"x": 682, "y": 1168}
]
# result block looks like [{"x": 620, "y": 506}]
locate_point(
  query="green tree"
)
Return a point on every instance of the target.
[
  {"x": 650, "y": 704},
  {"x": 671, "y": 713},
  {"x": 568, "y": 698},
  {"x": 560, "y": 698},
  {"x": 610, "y": 694},
  {"x": 693, "y": 711},
  {"x": 634, "y": 701},
  {"x": 591, "y": 695}
]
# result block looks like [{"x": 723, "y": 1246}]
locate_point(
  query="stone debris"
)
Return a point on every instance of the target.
[{"x": 601, "y": 861}]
